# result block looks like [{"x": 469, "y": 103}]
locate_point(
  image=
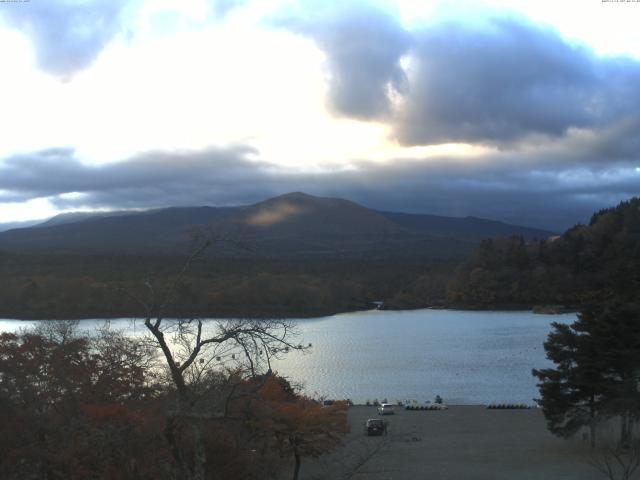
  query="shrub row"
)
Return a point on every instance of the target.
[
  {"x": 508, "y": 406},
  {"x": 426, "y": 407}
]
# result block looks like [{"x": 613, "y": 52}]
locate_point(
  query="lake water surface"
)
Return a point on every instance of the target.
[{"x": 466, "y": 357}]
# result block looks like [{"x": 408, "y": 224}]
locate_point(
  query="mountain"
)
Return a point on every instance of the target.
[
  {"x": 469, "y": 228},
  {"x": 295, "y": 224},
  {"x": 13, "y": 225},
  {"x": 74, "y": 217}
]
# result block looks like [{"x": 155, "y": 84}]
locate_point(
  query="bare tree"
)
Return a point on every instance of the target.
[
  {"x": 617, "y": 457},
  {"x": 207, "y": 362},
  {"x": 617, "y": 463}
]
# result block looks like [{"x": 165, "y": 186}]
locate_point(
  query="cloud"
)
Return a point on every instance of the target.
[
  {"x": 67, "y": 35},
  {"x": 498, "y": 79},
  {"x": 363, "y": 44},
  {"x": 222, "y": 8},
  {"x": 518, "y": 188},
  {"x": 506, "y": 80},
  {"x": 558, "y": 123},
  {"x": 152, "y": 179}
]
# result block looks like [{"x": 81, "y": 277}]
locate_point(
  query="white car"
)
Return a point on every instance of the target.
[{"x": 385, "y": 409}]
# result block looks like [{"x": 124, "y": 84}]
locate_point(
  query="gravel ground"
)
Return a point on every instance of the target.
[{"x": 463, "y": 442}]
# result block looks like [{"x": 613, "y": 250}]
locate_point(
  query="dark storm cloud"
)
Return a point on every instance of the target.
[
  {"x": 363, "y": 44},
  {"x": 507, "y": 79},
  {"x": 66, "y": 35},
  {"x": 516, "y": 188},
  {"x": 552, "y": 198},
  {"x": 497, "y": 80},
  {"x": 149, "y": 180}
]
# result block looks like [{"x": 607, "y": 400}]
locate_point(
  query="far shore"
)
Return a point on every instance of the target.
[{"x": 539, "y": 309}]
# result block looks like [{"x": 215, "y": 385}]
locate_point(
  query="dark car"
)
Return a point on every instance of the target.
[{"x": 375, "y": 426}]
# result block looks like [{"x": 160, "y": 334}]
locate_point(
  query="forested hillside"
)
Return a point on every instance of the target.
[
  {"x": 75, "y": 286},
  {"x": 586, "y": 262},
  {"x": 292, "y": 255}
]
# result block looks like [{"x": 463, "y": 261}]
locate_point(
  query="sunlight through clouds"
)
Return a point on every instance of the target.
[
  {"x": 334, "y": 95},
  {"x": 35, "y": 209}
]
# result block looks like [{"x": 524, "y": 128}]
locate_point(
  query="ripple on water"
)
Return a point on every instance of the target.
[{"x": 464, "y": 356}]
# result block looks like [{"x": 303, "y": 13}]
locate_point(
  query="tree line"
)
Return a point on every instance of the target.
[
  {"x": 586, "y": 262},
  {"x": 88, "y": 286}
]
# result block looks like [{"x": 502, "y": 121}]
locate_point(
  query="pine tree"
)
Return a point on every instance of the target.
[
  {"x": 572, "y": 392},
  {"x": 597, "y": 370},
  {"x": 615, "y": 328}
]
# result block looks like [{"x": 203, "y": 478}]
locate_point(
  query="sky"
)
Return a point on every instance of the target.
[{"x": 525, "y": 112}]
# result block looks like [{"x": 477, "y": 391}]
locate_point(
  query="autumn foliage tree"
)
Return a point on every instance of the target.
[
  {"x": 191, "y": 350},
  {"x": 298, "y": 426},
  {"x": 75, "y": 407}
]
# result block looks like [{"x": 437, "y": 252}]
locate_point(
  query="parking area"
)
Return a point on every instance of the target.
[{"x": 463, "y": 442}]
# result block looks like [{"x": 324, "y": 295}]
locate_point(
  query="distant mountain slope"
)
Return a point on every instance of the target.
[
  {"x": 470, "y": 228},
  {"x": 159, "y": 230},
  {"x": 294, "y": 224},
  {"x": 74, "y": 217},
  {"x": 13, "y": 225}
]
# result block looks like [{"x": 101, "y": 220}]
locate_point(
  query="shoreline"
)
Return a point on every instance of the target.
[{"x": 536, "y": 309}]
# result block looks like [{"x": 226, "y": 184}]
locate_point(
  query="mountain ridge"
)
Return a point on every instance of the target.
[{"x": 293, "y": 224}]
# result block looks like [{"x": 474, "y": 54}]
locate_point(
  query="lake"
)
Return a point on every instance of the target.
[{"x": 467, "y": 357}]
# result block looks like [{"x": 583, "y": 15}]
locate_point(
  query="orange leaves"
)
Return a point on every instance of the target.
[
  {"x": 300, "y": 424},
  {"x": 77, "y": 406},
  {"x": 273, "y": 390},
  {"x": 70, "y": 408}
]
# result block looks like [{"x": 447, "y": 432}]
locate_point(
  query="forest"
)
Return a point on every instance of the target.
[
  {"x": 586, "y": 263},
  {"x": 92, "y": 286}
]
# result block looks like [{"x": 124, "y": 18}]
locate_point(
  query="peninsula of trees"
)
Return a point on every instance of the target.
[{"x": 587, "y": 262}]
